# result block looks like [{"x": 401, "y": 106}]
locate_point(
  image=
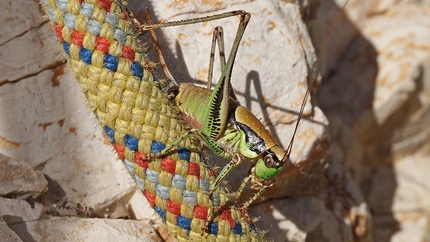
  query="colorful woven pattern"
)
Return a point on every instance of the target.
[{"x": 116, "y": 77}]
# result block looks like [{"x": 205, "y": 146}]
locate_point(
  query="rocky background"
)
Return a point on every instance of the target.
[{"x": 360, "y": 157}]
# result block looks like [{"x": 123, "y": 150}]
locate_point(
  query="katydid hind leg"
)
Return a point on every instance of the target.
[
  {"x": 181, "y": 22},
  {"x": 218, "y": 105},
  {"x": 167, "y": 74},
  {"x": 217, "y": 39}
]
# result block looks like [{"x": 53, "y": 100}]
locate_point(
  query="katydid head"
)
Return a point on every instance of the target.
[
  {"x": 259, "y": 144},
  {"x": 271, "y": 162}
]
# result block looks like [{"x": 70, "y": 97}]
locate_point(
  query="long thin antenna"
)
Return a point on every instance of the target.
[{"x": 311, "y": 82}]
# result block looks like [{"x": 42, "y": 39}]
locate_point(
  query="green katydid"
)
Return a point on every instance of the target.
[{"x": 227, "y": 128}]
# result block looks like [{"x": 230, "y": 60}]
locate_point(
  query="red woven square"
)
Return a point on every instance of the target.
[
  {"x": 200, "y": 212},
  {"x": 59, "y": 31},
  {"x": 168, "y": 165},
  {"x": 102, "y": 44},
  {"x": 105, "y": 4},
  {"x": 128, "y": 53},
  {"x": 225, "y": 214},
  {"x": 194, "y": 169},
  {"x": 77, "y": 38},
  {"x": 173, "y": 207},
  {"x": 120, "y": 150},
  {"x": 150, "y": 197},
  {"x": 141, "y": 160}
]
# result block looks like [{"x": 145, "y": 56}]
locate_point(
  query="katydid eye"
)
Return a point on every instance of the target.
[{"x": 271, "y": 161}]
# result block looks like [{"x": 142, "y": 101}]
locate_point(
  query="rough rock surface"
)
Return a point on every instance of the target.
[
  {"x": 6, "y": 233},
  {"x": 20, "y": 180},
  {"x": 358, "y": 175},
  {"x": 376, "y": 98}
]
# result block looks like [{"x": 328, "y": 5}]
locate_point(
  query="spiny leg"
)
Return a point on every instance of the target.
[
  {"x": 242, "y": 186},
  {"x": 235, "y": 161},
  {"x": 171, "y": 80},
  {"x": 253, "y": 198},
  {"x": 255, "y": 185},
  {"x": 217, "y": 37},
  {"x": 173, "y": 144},
  {"x": 215, "y": 184},
  {"x": 164, "y": 24},
  {"x": 238, "y": 193}
]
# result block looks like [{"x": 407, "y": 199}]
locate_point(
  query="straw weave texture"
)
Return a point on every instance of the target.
[{"x": 117, "y": 79}]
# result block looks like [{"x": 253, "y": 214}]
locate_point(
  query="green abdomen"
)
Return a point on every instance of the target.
[{"x": 192, "y": 102}]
